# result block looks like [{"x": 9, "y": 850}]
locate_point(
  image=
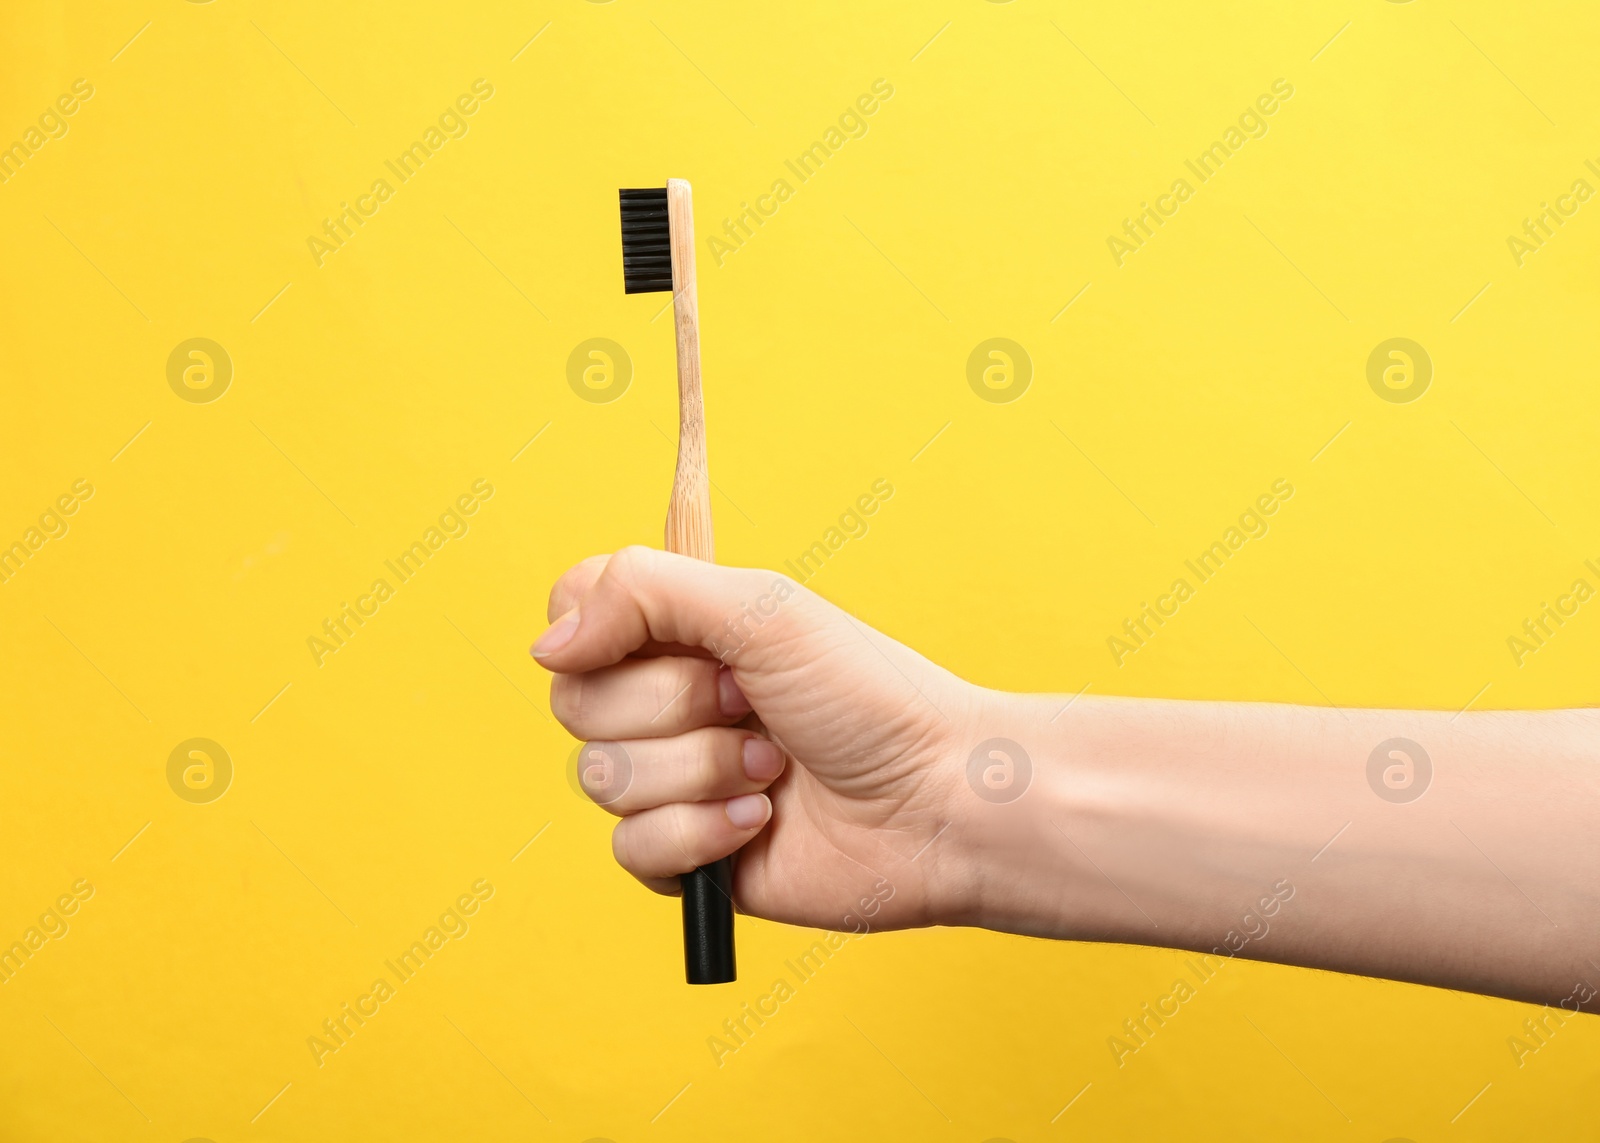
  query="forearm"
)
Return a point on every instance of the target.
[{"x": 1253, "y": 830}]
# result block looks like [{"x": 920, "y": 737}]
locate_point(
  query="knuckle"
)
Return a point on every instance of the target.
[
  {"x": 701, "y": 674},
  {"x": 606, "y": 776},
  {"x": 622, "y": 845},
  {"x": 563, "y": 595},
  {"x": 629, "y": 564},
  {"x": 558, "y": 698},
  {"x": 665, "y": 688},
  {"x": 566, "y": 702},
  {"x": 683, "y": 837},
  {"x": 574, "y": 583},
  {"x": 678, "y": 692},
  {"x": 704, "y": 766}
]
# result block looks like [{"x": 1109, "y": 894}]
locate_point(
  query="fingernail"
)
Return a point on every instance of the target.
[
  {"x": 729, "y": 697},
  {"x": 763, "y": 761},
  {"x": 558, "y": 635},
  {"x": 749, "y": 811}
]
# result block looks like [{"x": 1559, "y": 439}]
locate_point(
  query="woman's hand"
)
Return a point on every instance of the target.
[
  {"x": 752, "y": 715},
  {"x": 1182, "y": 824}
]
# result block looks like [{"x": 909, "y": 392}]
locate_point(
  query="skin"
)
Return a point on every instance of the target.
[{"x": 836, "y": 761}]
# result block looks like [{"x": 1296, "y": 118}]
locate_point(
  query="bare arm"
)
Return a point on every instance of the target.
[
  {"x": 1417, "y": 846},
  {"x": 866, "y": 787}
]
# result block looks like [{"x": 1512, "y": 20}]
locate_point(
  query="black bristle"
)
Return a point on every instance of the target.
[{"x": 646, "y": 241}]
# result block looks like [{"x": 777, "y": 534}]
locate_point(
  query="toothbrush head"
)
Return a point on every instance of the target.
[{"x": 646, "y": 241}]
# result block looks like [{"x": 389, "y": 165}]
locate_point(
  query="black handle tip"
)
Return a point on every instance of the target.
[{"x": 708, "y": 924}]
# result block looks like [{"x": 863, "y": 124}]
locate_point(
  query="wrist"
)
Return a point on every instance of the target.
[
  {"x": 1020, "y": 784},
  {"x": 1076, "y": 818}
]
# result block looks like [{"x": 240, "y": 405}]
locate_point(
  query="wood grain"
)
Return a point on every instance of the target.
[{"x": 689, "y": 510}]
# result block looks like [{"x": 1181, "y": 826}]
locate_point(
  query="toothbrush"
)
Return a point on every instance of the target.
[{"x": 658, "y": 255}]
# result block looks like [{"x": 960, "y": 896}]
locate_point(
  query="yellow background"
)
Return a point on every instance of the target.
[{"x": 428, "y": 351}]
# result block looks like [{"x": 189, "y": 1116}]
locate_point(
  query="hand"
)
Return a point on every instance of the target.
[{"x": 758, "y": 717}]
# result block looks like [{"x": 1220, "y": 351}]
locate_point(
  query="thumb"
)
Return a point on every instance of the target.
[{"x": 646, "y": 596}]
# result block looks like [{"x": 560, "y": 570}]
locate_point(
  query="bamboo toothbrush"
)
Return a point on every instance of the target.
[{"x": 657, "y": 255}]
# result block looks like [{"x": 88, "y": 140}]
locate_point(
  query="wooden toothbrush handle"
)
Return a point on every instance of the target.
[
  {"x": 689, "y": 511},
  {"x": 708, "y": 890}
]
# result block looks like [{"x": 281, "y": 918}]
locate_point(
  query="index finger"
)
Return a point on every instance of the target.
[{"x": 644, "y": 597}]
